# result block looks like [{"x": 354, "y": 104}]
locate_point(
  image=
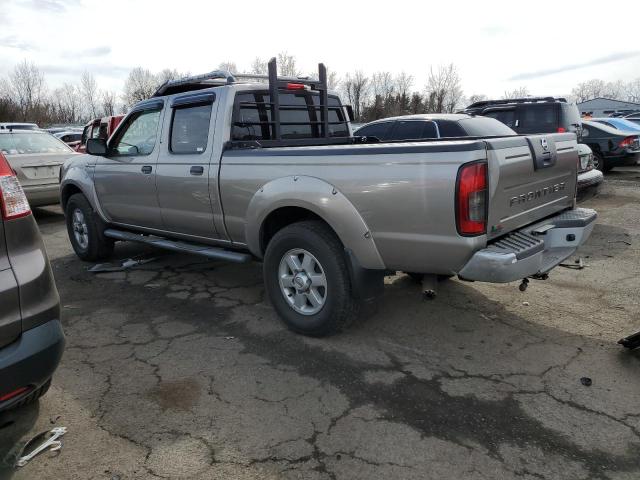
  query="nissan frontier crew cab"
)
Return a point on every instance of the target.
[{"x": 232, "y": 167}]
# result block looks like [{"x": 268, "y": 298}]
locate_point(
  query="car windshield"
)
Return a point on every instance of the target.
[{"x": 25, "y": 143}]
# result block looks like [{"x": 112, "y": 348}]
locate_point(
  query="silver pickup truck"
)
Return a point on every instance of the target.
[{"x": 235, "y": 167}]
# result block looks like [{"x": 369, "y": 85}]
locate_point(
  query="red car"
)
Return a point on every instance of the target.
[{"x": 98, "y": 128}]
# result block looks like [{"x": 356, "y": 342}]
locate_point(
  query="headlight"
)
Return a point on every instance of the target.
[{"x": 584, "y": 161}]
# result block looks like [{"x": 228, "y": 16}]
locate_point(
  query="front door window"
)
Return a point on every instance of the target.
[{"x": 138, "y": 138}]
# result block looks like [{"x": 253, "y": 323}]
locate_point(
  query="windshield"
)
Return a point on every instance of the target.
[{"x": 25, "y": 143}]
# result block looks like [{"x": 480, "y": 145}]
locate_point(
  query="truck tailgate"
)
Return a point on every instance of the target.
[{"x": 530, "y": 178}]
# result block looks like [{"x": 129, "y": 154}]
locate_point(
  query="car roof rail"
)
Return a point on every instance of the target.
[{"x": 508, "y": 101}]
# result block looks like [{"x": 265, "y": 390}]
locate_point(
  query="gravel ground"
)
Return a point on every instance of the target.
[{"x": 180, "y": 369}]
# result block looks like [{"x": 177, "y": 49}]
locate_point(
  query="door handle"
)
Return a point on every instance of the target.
[
  {"x": 196, "y": 170},
  {"x": 146, "y": 169}
]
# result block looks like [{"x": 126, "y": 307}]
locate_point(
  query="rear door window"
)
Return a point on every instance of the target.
[
  {"x": 190, "y": 129},
  {"x": 414, "y": 130},
  {"x": 378, "y": 130},
  {"x": 538, "y": 118},
  {"x": 507, "y": 116}
]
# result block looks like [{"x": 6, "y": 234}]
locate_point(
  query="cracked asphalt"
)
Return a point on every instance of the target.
[{"x": 179, "y": 368}]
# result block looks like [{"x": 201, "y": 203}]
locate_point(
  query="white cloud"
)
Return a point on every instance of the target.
[{"x": 493, "y": 43}]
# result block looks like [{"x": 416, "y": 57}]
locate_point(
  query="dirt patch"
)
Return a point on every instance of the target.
[{"x": 176, "y": 395}]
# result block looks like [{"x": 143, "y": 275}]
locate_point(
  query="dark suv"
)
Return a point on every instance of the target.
[
  {"x": 544, "y": 115},
  {"x": 532, "y": 114},
  {"x": 31, "y": 338}
]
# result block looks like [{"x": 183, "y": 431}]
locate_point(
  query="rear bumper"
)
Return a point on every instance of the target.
[
  {"x": 31, "y": 360},
  {"x": 39, "y": 195},
  {"x": 532, "y": 250}
]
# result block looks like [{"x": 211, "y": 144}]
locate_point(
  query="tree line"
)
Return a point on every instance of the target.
[{"x": 25, "y": 96}]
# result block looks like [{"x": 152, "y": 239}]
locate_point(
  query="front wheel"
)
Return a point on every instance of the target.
[
  {"x": 86, "y": 230},
  {"x": 599, "y": 164},
  {"x": 307, "y": 279}
]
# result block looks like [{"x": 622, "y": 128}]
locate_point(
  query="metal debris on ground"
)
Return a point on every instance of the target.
[
  {"x": 586, "y": 381},
  {"x": 577, "y": 265},
  {"x": 51, "y": 443},
  {"x": 619, "y": 241},
  {"x": 125, "y": 265}
]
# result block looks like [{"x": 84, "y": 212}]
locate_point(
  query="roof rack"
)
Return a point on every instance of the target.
[
  {"x": 507, "y": 101},
  {"x": 214, "y": 77}
]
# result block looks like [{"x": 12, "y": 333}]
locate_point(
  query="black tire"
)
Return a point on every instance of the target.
[
  {"x": 33, "y": 396},
  {"x": 600, "y": 163},
  {"x": 98, "y": 246},
  {"x": 340, "y": 307}
]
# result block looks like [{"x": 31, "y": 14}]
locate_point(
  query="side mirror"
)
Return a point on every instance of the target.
[{"x": 97, "y": 146}]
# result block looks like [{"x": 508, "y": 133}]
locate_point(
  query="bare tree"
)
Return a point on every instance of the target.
[
  {"x": 333, "y": 81},
  {"x": 519, "y": 92},
  {"x": 139, "y": 85},
  {"x": 590, "y": 89},
  {"x": 229, "y": 67},
  {"x": 382, "y": 84},
  {"x": 26, "y": 86},
  {"x": 443, "y": 89},
  {"x": 633, "y": 90},
  {"x": 68, "y": 100},
  {"x": 403, "y": 83},
  {"x": 258, "y": 66},
  {"x": 109, "y": 100},
  {"x": 90, "y": 94},
  {"x": 477, "y": 97},
  {"x": 356, "y": 88},
  {"x": 168, "y": 74},
  {"x": 287, "y": 66}
]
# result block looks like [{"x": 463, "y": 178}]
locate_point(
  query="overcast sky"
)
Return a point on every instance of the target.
[{"x": 548, "y": 46}]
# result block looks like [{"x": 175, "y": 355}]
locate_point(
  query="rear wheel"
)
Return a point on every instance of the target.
[
  {"x": 307, "y": 280},
  {"x": 86, "y": 230}
]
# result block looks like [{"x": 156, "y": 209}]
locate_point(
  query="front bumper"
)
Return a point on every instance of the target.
[
  {"x": 590, "y": 178},
  {"x": 532, "y": 250},
  {"x": 31, "y": 360},
  {"x": 40, "y": 195}
]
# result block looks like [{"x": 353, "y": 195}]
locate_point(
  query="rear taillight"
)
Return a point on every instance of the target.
[
  {"x": 471, "y": 199},
  {"x": 561, "y": 130},
  {"x": 13, "y": 202},
  {"x": 627, "y": 142}
]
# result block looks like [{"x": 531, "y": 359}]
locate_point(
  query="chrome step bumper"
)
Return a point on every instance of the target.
[{"x": 532, "y": 250}]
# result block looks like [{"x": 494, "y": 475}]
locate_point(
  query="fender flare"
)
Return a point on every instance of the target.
[
  {"x": 324, "y": 200},
  {"x": 76, "y": 175}
]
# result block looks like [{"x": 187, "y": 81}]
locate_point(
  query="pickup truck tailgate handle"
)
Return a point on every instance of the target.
[
  {"x": 146, "y": 169},
  {"x": 196, "y": 170}
]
